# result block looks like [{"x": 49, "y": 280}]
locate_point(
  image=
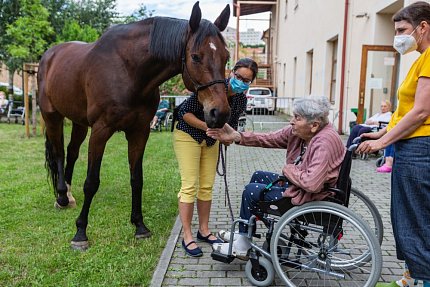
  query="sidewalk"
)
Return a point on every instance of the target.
[{"x": 177, "y": 269}]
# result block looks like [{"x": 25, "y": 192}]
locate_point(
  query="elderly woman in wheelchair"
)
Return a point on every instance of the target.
[{"x": 306, "y": 237}]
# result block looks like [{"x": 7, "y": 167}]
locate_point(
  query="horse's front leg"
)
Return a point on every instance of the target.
[
  {"x": 136, "y": 147},
  {"x": 99, "y": 137}
]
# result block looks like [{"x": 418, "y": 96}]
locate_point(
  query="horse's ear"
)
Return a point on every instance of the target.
[
  {"x": 195, "y": 18},
  {"x": 222, "y": 20}
]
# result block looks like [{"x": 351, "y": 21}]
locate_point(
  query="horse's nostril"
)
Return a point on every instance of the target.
[{"x": 214, "y": 113}]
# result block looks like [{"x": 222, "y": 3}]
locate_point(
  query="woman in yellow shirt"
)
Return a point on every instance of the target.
[{"x": 409, "y": 130}]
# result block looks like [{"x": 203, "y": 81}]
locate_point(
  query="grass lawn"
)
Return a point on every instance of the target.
[{"x": 35, "y": 237}]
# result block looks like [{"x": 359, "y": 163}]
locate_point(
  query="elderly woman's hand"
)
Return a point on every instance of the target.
[
  {"x": 225, "y": 134},
  {"x": 369, "y": 146}
]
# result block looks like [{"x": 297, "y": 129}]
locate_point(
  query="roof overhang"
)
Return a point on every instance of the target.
[{"x": 249, "y": 7}]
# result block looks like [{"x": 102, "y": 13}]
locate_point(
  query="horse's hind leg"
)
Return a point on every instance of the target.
[
  {"x": 79, "y": 134},
  {"x": 136, "y": 146},
  {"x": 54, "y": 153}
]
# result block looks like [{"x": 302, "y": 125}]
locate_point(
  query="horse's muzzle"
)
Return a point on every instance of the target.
[{"x": 216, "y": 119}]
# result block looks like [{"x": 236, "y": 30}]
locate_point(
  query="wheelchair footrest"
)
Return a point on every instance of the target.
[{"x": 222, "y": 257}]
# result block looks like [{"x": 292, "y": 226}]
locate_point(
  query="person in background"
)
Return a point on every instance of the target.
[
  {"x": 383, "y": 116},
  {"x": 388, "y": 151},
  {"x": 315, "y": 154},
  {"x": 163, "y": 108},
  {"x": 197, "y": 154},
  {"x": 3, "y": 102},
  {"x": 409, "y": 131},
  {"x": 388, "y": 160}
]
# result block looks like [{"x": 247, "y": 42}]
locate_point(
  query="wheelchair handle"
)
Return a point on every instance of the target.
[{"x": 355, "y": 143}]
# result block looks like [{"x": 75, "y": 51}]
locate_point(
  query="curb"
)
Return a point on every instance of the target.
[{"x": 163, "y": 264}]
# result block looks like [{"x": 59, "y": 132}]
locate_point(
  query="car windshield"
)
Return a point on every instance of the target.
[{"x": 259, "y": 92}]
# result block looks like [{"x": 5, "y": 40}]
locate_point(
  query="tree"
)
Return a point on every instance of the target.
[
  {"x": 174, "y": 86},
  {"x": 139, "y": 14},
  {"x": 27, "y": 36},
  {"x": 72, "y": 31},
  {"x": 9, "y": 12},
  {"x": 98, "y": 14}
]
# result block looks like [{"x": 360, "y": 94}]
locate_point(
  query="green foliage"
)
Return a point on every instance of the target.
[
  {"x": 35, "y": 237},
  {"x": 28, "y": 32},
  {"x": 174, "y": 86},
  {"x": 97, "y": 14},
  {"x": 139, "y": 14},
  {"x": 72, "y": 31}
]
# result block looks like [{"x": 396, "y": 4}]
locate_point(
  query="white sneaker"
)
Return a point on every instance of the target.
[
  {"x": 225, "y": 235},
  {"x": 240, "y": 247}
]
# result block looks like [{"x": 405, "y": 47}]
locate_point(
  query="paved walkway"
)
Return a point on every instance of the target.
[{"x": 177, "y": 269}]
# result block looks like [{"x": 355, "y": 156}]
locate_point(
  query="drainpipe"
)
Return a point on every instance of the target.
[{"x": 342, "y": 72}]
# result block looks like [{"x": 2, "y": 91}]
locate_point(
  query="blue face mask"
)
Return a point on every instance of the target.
[{"x": 237, "y": 86}]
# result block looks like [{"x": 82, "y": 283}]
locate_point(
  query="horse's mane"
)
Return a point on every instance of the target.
[{"x": 168, "y": 37}]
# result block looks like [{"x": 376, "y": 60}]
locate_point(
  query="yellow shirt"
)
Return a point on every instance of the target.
[{"x": 406, "y": 95}]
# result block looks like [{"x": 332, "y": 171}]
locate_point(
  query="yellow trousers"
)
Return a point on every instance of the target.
[{"x": 197, "y": 166}]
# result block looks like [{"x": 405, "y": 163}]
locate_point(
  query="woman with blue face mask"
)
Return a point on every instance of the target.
[
  {"x": 197, "y": 155},
  {"x": 409, "y": 131}
]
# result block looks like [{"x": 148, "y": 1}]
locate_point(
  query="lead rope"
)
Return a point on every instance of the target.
[{"x": 223, "y": 173}]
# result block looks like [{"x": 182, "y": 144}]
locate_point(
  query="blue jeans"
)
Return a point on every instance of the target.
[
  {"x": 410, "y": 204},
  {"x": 389, "y": 151},
  {"x": 252, "y": 192}
]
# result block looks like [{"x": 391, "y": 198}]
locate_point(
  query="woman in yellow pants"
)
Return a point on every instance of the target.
[{"x": 197, "y": 155}]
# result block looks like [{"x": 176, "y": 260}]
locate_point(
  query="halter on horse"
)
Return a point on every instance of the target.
[{"x": 112, "y": 85}]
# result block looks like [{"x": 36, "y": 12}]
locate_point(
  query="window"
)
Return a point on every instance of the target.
[
  {"x": 294, "y": 76},
  {"x": 333, "y": 76},
  {"x": 309, "y": 68}
]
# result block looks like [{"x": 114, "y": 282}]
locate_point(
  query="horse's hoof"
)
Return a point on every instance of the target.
[
  {"x": 58, "y": 206},
  {"x": 143, "y": 235},
  {"x": 79, "y": 245},
  {"x": 70, "y": 205}
]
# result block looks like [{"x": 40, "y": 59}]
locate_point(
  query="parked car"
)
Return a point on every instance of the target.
[{"x": 260, "y": 98}]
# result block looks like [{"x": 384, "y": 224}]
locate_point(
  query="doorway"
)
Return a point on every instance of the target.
[{"x": 378, "y": 79}]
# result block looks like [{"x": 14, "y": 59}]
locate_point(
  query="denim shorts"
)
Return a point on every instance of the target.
[{"x": 410, "y": 204}]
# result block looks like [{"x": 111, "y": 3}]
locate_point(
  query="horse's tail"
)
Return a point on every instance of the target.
[{"x": 51, "y": 163}]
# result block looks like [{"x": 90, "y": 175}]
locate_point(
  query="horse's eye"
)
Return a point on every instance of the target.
[{"x": 195, "y": 57}]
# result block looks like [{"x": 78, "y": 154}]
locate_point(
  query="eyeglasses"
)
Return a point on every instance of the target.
[{"x": 240, "y": 78}]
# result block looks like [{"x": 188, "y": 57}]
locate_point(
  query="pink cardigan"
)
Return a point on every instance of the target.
[{"x": 320, "y": 163}]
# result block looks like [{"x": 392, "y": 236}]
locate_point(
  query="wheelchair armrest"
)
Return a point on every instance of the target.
[
  {"x": 382, "y": 125},
  {"x": 339, "y": 196}
]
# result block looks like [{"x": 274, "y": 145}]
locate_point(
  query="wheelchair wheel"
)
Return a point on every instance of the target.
[
  {"x": 328, "y": 245},
  {"x": 245, "y": 124},
  {"x": 380, "y": 161},
  {"x": 363, "y": 207},
  {"x": 262, "y": 277}
]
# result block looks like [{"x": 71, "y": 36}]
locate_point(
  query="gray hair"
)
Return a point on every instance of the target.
[{"x": 313, "y": 109}]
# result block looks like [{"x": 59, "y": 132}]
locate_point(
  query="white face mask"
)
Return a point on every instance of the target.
[{"x": 405, "y": 43}]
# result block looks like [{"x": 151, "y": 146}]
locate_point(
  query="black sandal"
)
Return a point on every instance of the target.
[
  {"x": 197, "y": 252},
  {"x": 206, "y": 239}
]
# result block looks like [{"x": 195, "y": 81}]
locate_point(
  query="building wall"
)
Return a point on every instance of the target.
[{"x": 306, "y": 31}]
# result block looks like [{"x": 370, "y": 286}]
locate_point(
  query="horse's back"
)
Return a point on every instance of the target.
[{"x": 61, "y": 70}]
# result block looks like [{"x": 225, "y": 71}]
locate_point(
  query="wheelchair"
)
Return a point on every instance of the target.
[
  {"x": 164, "y": 122},
  {"x": 14, "y": 110},
  {"x": 320, "y": 243}
]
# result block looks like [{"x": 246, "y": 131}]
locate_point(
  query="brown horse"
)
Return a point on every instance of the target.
[{"x": 112, "y": 85}]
